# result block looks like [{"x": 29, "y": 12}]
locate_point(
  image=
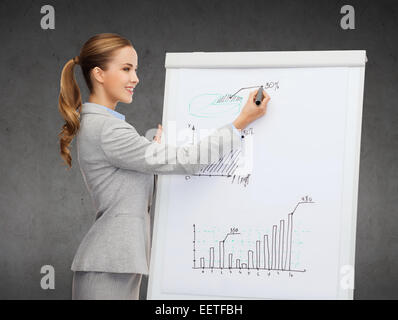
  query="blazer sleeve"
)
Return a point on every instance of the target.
[{"x": 125, "y": 148}]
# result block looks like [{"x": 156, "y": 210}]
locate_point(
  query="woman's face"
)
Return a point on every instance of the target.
[{"x": 120, "y": 79}]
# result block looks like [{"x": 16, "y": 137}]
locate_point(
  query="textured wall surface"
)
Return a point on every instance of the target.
[{"x": 46, "y": 210}]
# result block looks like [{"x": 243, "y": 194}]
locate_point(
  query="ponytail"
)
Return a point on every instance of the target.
[{"x": 70, "y": 103}]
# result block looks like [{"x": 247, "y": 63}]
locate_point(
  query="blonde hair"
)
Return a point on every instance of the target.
[{"x": 96, "y": 52}]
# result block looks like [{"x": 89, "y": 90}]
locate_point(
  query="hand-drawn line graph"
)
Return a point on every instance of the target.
[
  {"x": 267, "y": 86},
  {"x": 269, "y": 255}
]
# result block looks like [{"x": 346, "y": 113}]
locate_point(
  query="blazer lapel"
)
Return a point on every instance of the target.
[{"x": 93, "y": 108}]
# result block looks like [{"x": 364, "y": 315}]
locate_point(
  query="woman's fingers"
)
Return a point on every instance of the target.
[
  {"x": 266, "y": 96},
  {"x": 265, "y": 101},
  {"x": 158, "y": 133}
]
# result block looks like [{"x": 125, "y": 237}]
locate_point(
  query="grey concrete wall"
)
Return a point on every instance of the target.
[{"x": 46, "y": 210}]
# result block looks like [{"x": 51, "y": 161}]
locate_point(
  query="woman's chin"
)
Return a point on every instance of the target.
[{"x": 127, "y": 100}]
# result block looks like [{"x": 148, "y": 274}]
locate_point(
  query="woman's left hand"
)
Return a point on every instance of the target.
[{"x": 158, "y": 134}]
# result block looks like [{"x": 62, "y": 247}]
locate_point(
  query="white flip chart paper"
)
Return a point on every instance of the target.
[{"x": 272, "y": 231}]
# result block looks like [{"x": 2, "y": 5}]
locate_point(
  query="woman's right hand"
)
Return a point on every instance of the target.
[
  {"x": 251, "y": 111},
  {"x": 158, "y": 135}
]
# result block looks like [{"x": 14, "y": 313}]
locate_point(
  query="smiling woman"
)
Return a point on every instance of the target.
[
  {"x": 118, "y": 171},
  {"x": 118, "y": 81},
  {"x": 108, "y": 62},
  {"x": 109, "y": 65}
]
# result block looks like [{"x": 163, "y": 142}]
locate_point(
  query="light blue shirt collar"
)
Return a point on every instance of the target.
[{"x": 113, "y": 112}]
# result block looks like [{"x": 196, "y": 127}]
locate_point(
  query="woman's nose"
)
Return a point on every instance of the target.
[{"x": 135, "y": 79}]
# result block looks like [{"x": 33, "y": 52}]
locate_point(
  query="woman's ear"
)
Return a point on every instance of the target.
[{"x": 98, "y": 74}]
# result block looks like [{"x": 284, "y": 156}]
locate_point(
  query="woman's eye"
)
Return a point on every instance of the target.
[{"x": 127, "y": 69}]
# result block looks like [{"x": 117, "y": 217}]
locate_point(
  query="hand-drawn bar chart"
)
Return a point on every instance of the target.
[
  {"x": 272, "y": 252},
  {"x": 225, "y": 166},
  {"x": 228, "y": 165}
]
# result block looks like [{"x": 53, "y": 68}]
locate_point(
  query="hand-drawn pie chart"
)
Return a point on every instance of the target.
[{"x": 214, "y": 105}]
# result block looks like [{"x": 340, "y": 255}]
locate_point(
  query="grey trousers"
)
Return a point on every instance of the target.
[{"x": 90, "y": 285}]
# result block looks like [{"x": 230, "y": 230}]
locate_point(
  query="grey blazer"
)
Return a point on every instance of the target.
[{"x": 120, "y": 180}]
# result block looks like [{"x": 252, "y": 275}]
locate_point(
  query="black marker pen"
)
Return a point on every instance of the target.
[{"x": 259, "y": 96}]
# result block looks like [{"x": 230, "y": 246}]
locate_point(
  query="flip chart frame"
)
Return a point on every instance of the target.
[{"x": 356, "y": 61}]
